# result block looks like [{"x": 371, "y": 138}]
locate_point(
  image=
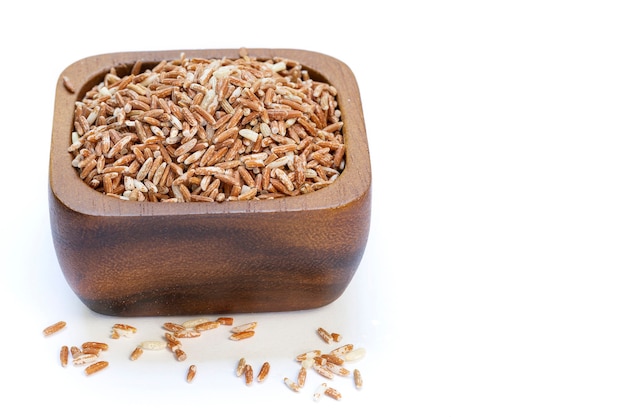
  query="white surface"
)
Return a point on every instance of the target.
[{"x": 493, "y": 280}]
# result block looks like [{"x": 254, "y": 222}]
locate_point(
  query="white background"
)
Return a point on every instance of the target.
[{"x": 493, "y": 279}]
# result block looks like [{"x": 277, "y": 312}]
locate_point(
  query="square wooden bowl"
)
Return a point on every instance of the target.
[{"x": 129, "y": 258}]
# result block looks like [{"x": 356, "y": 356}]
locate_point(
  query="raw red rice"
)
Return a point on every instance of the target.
[
  {"x": 207, "y": 325},
  {"x": 244, "y": 327},
  {"x": 121, "y": 329},
  {"x": 136, "y": 353},
  {"x": 324, "y": 334},
  {"x": 302, "y": 376},
  {"x": 327, "y": 365},
  {"x": 173, "y": 327},
  {"x": 240, "y": 366},
  {"x": 342, "y": 350},
  {"x": 333, "y": 393},
  {"x": 248, "y": 373},
  {"x": 64, "y": 354},
  {"x": 158, "y": 126},
  {"x": 96, "y": 367},
  {"x": 68, "y": 85},
  {"x": 226, "y": 321},
  {"x": 323, "y": 370},
  {"x": 242, "y": 335},
  {"x": 265, "y": 369},
  {"x": 191, "y": 373},
  {"x": 180, "y": 355},
  {"x": 53, "y": 328},
  {"x": 292, "y": 385},
  {"x": 99, "y": 346},
  {"x": 358, "y": 379},
  {"x": 85, "y": 358}
]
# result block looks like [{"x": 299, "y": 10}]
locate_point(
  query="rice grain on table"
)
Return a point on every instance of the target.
[
  {"x": 265, "y": 369},
  {"x": 54, "y": 328},
  {"x": 191, "y": 373},
  {"x": 96, "y": 367}
]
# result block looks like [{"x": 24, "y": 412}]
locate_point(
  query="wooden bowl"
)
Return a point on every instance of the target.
[{"x": 126, "y": 258}]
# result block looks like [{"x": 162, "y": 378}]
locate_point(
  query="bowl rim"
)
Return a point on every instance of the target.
[{"x": 69, "y": 190}]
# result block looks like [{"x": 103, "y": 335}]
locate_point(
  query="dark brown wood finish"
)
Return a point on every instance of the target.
[{"x": 141, "y": 259}]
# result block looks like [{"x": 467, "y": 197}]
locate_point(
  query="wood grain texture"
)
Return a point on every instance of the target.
[{"x": 140, "y": 258}]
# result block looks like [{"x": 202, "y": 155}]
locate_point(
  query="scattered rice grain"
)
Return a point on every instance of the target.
[
  {"x": 358, "y": 379},
  {"x": 323, "y": 333},
  {"x": 53, "y": 328},
  {"x": 248, "y": 374},
  {"x": 240, "y": 367},
  {"x": 333, "y": 393},
  {"x": 242, "y": 335},
  {"x": 292, "y": 385},
  {"x": 136, "y": 353},
  {"x": 265, "y": 369},
  {"x": 244, "y": 327},
  {"x": 191, "y": 373},
  {"x": 67, "y": 83},
  {"x": 64, "y": 355},
  {"x": 96, "y": 367}
]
